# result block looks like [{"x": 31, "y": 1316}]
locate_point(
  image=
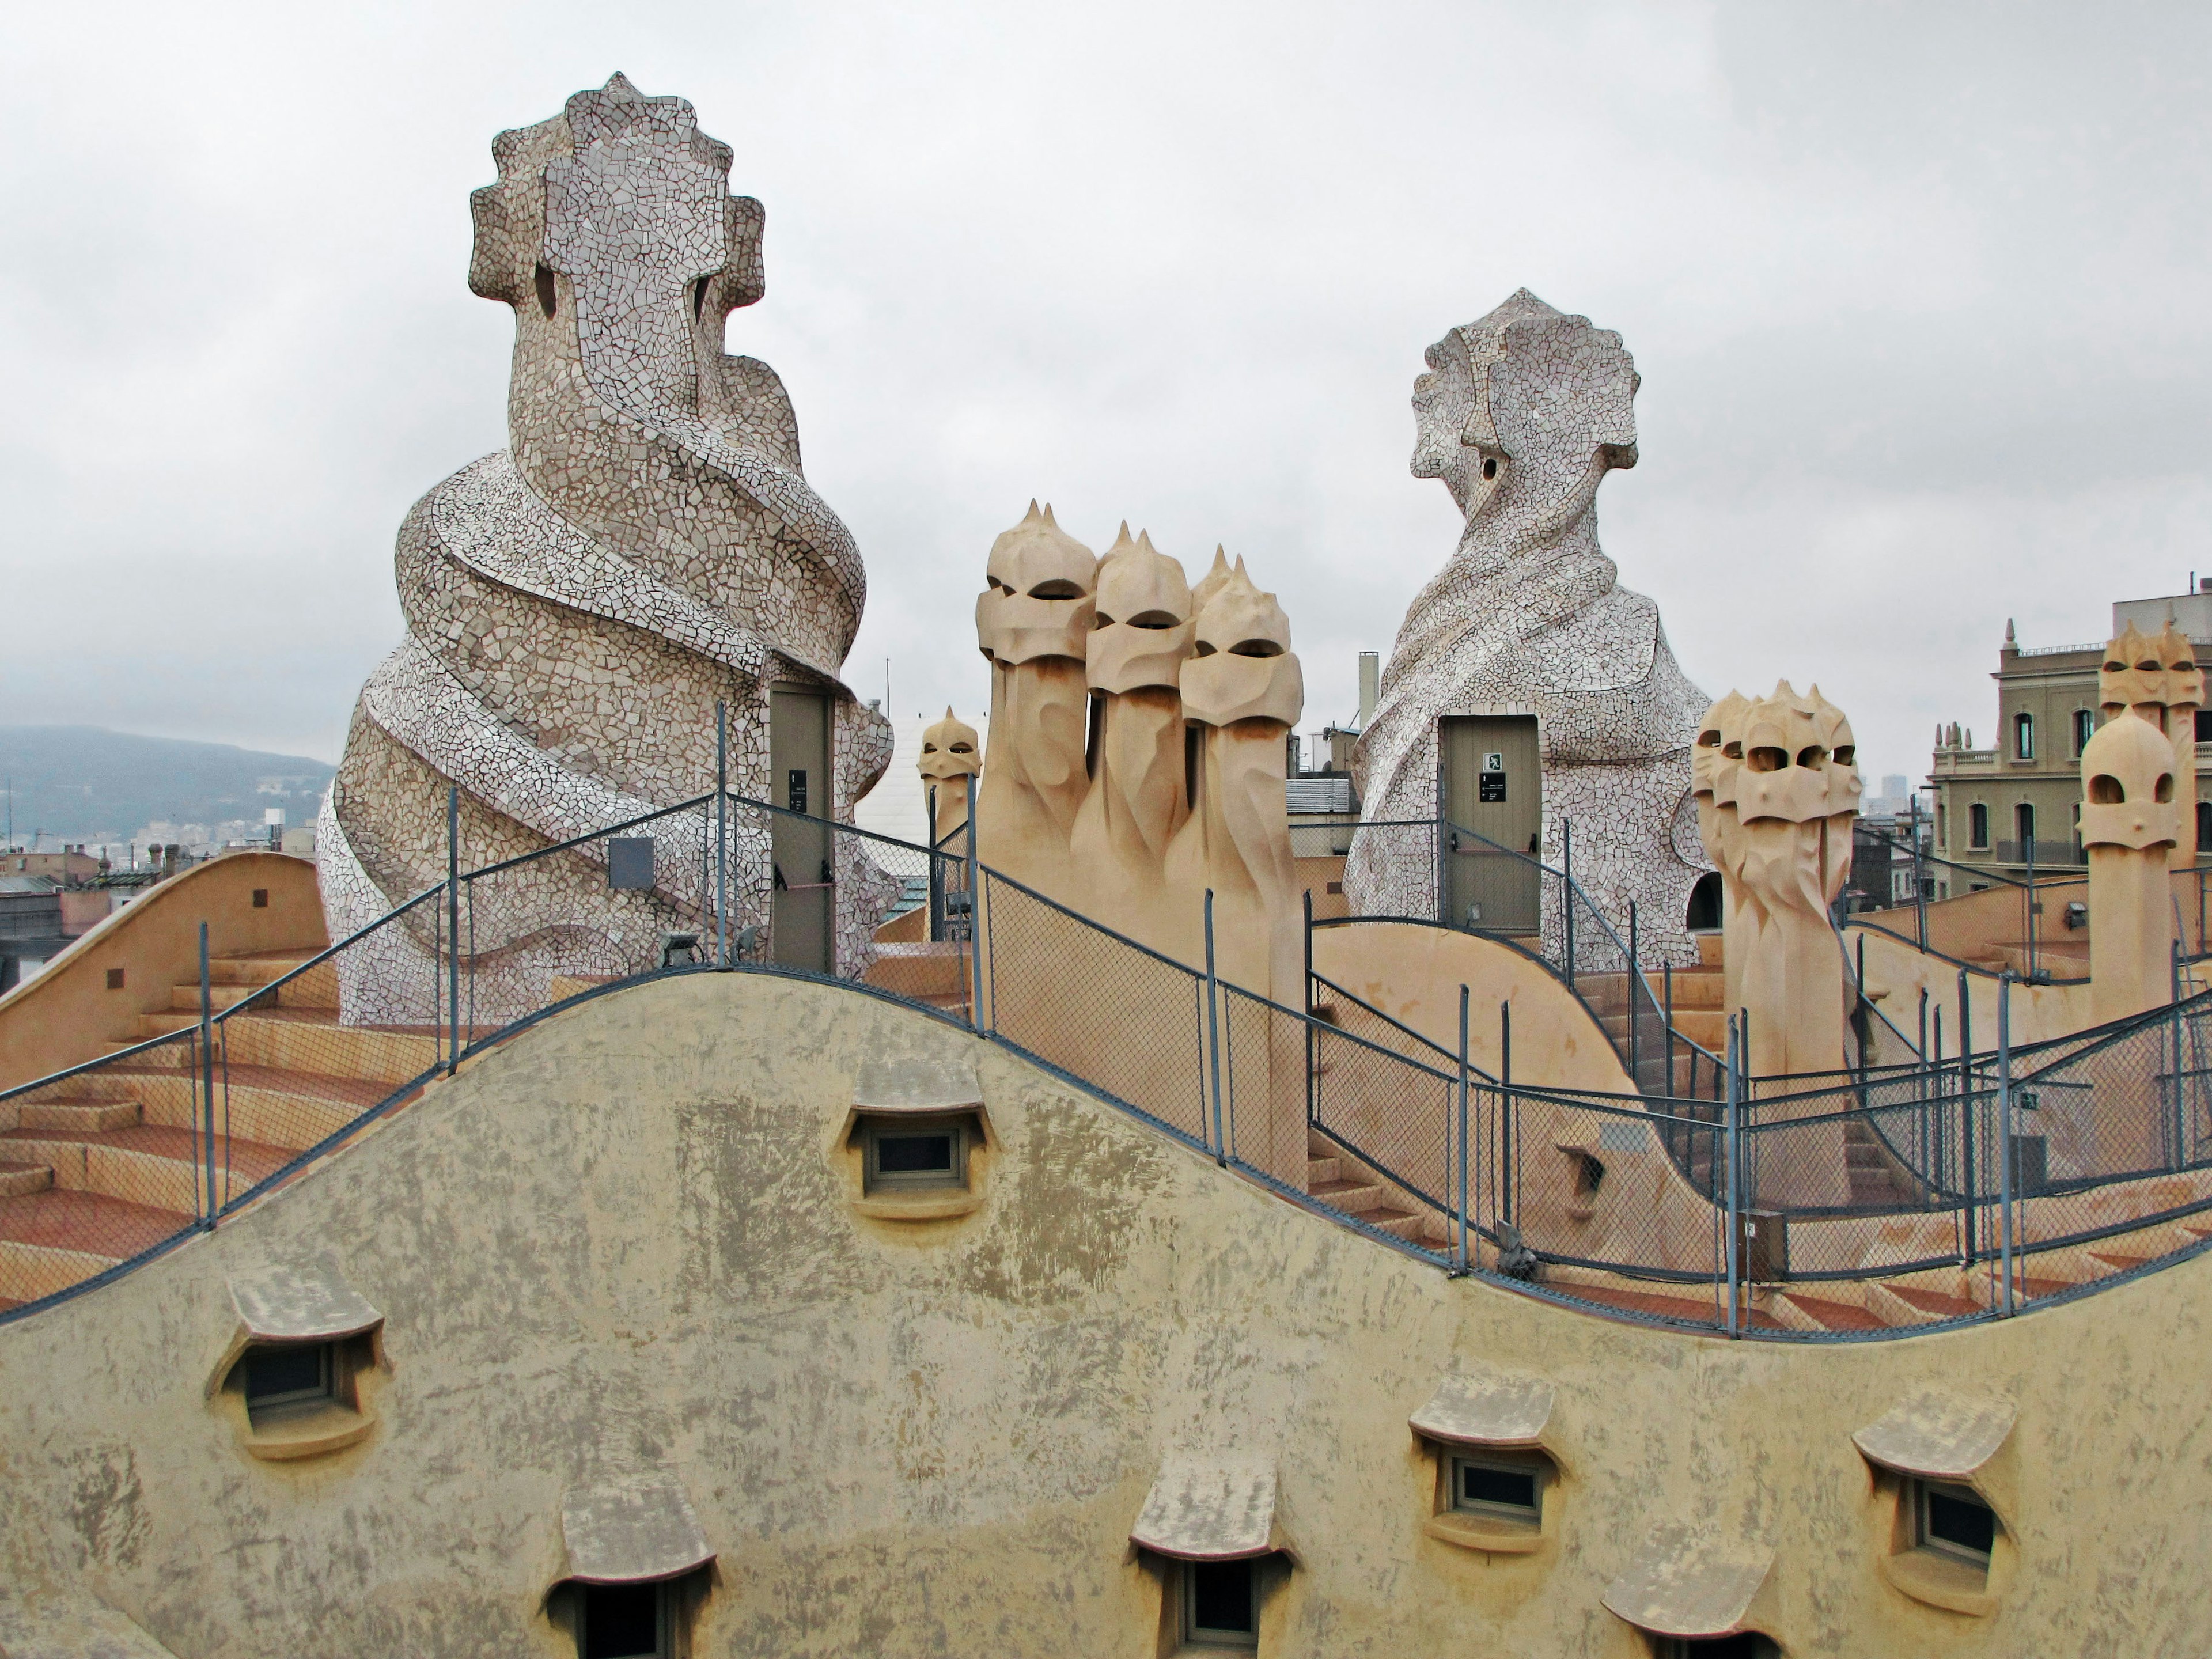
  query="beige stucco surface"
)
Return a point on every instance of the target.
[{"x": 624, "y": 1244}]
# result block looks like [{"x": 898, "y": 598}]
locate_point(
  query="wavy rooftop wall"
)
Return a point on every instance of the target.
[{"x": 558, "y": 1242}]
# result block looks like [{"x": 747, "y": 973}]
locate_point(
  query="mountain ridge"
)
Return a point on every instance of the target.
[{"x": 89, "y": 784}]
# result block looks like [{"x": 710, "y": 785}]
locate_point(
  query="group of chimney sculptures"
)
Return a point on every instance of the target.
[{"x": 1137, "y": 759}]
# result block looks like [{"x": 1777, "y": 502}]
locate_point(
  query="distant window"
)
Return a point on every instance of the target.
[
  {"x": 2204, "y": 828},
  {"x": 904, "y": 1153},
  {"x": 2023, "y": 825},
  {"x": 1748, "y": 1644},
  {"x": 625, "y": 1622},
  {"x": 1493, "y": 1486},
  {"x": 2204, "y": 725},
  {"x": 1220, "y": 1604},
  {"x": 2023, "y": 737},
  {"x": 288, "y": 1376},
  {"x": 1955, "y": 1521},
  {"x": 2085, "y": 727},
  {"x": 1978, "y": 827}
]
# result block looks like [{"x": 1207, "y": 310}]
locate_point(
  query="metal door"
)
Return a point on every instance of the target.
[
  {"x": 802, "y": 918},
  {"x": 1493, "y": 785}
]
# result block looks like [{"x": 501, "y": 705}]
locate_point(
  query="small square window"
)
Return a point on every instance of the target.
[
  {"x": 115, "y": 979},
  {"x": 1493, "y": 1486},
  {"x": 1220, "y": 1604},
  {"x": 624, "y": 1621},
  {"x": 287, "y": 1374},
  {"x": 1955, "y": 1521},
  {"x": 261, "y": 898},
  {"x": 906, "y": 1153}
]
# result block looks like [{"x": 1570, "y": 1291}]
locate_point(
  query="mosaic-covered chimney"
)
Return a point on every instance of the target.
[{"x": 577, "y": 604}]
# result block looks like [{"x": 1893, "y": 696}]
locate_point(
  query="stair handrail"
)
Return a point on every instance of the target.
[{"x": 1570, "y": 886}]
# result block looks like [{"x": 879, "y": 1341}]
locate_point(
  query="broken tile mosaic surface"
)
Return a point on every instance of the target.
[
  {"x": 1521, "y": 416},
  {"x": 577, "y": 604}
]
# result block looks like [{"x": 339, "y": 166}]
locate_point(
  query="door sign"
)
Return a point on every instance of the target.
[{"x": 1490, "y": 783}]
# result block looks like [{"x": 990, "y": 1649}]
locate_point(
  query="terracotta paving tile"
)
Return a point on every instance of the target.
[{"x": 65, "y": 1220}]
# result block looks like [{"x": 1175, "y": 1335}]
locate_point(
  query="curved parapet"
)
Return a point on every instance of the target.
[{"x": 578, "y": 604}]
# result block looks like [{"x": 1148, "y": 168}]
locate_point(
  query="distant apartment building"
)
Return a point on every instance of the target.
[
  {"x": 2018, "y": 800},
  {"x": 71, "y": 866}
]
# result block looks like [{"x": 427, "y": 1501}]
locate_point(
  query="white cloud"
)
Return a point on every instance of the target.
[{"x": 1912, "y": 291}]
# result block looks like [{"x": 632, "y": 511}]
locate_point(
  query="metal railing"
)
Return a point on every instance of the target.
[
  {"x": 1541, "y": 910},
  {"x": 1932, "y": 1190}
]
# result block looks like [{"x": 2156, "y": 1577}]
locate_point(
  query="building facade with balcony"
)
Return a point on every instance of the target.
[{"x": 2018, "y": 800}]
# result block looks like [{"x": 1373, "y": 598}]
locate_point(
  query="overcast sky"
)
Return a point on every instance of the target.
[{"x": 1917, "y": 293}]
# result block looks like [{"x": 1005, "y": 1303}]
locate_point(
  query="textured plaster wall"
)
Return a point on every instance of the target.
[{"x": 623, "y": 1244}]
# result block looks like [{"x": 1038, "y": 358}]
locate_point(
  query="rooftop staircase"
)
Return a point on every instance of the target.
[{"x": 100, "y": 1167}]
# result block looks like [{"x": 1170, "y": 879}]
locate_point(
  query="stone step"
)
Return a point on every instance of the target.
[
  {"x": 1400, "y": 1223},
  {"x": 146, "y": 1164},
  {"x": 16, "y": 1179},
  {"x": 78, "y": 1115},
  {"x": 185, "y": 999},
  {"x": 1830, "y": 1315},
  {"x": 929, "y": 969},
  {"x": 1320, "y": 1171},
  {"x": 1706, "y": 1027},
  {"x": 303, "y": 1043},
  {"x": 1353, "y": 1197},
  {"x": 291, "y": 1109},
  {"x": 1696, "y": 990},
  {"x": 53, "y": 1239},
  {"x": 179, "y": 1057},
  {"x": 258, "y": 968}
]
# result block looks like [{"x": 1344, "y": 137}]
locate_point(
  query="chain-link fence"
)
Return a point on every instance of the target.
[
  {"x": 1905, "y": 1191},
  {"x": 250, "y": 1074},
  {"x": 1431, "y": 869}
]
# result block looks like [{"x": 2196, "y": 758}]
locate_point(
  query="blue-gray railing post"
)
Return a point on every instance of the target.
[
  {"x": 1628, "y": 984},
  {"x": 936, "y": 869},
  {"x": 1443, "y": 878},
  {"x": 1667, "y": 969},
  {"x": 2032, "y": 907},
  {"x": 721, "y": 833},
  {"x": 1935, "y": 1111},
  {"x": 1214, "y": 1035},
  {"x": 1967, "y": 1118},
  {"x": 1505, "y": 1111},
  {"x": 1731, "y": 1213},
  {"x": 1313, "y": 1035},
  {"x": 207, "y": 1070},
  {"x": 453, "y": 927},
  {"x": 2004, "y": 1132},
  {"x": 1462, "y": 1129},
  {"x": 1921, "y": 1078},
  {"x": 975, "y": 926},
  {"x": 1919, "y": 891},
  {"x": 1567, "y": 891},
  {"x": 2179, "y": 1146}
]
